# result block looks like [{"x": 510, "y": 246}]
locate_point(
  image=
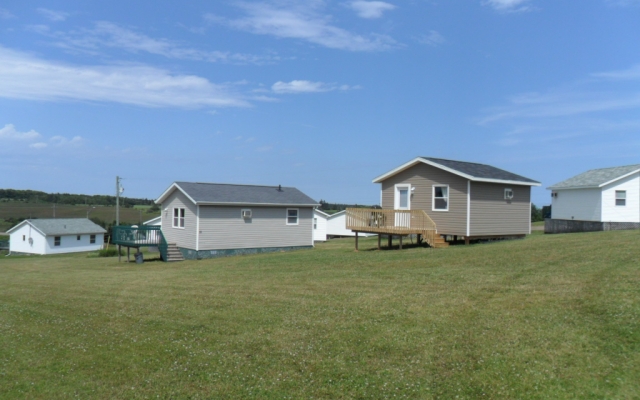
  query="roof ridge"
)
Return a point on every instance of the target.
[
  {"x": 235, "y": 184},
  {"x": 448, "y": 159},
  {"x": 619, "y": 166}
]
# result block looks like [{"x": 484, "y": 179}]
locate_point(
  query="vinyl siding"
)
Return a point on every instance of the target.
[
  {"x": 224, "y": 228},
  {"x": 628, "y": 213},
  {"x": 186, "y": 237},
  {"x": 423, "y": 177},
  {"x": 577, "y": 204},
  {"x": 491, "y": 214},
  {"x": 320, "y": 233}
]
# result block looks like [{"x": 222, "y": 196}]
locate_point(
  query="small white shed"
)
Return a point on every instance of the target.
[
  {"x": 319, "y": 225},
  {"x": 55, "y": 236},
  {"x": 337, "y": 226}
]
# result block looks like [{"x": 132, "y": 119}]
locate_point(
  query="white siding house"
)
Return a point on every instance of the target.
[
  {"x": 55, "y": 236},
  {"x": 337, "y": 226},
  {"x": 599, "y": 195},
  {"x": 319, "y": 226}
]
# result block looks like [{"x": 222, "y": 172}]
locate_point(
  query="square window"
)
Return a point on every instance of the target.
[
  {"x": 441, "y": 198},
  {"x": 292, "y": 216},
  {"x": 178, "y": 217},
  {"x": 315, "y": 223},
  {"x": 246, "y": 213},
  {"x": 621, "y": 197},
  {"x": 56, "y": 241},
  {"x": 92, "y": 239}
]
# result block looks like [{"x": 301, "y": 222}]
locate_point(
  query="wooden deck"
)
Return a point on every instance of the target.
[{"x": 394, "y": 223}]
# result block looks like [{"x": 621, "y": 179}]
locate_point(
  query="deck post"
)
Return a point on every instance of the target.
[
  {"x": 466, "y": 240},
  {"x": 400, "y": 242},
  {"x": 128, "y": 254},
  {"x": 379, "y": 235},
  {"x": 119, "y": 253},
  {"x": 356, "y": 240},
  {"x": 389, "y": 240}
]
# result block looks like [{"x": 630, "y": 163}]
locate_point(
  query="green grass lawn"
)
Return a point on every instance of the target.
[{"x": 550, "y": 316}]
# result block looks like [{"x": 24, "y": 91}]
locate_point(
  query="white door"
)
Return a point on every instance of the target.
[{"x": 402, "y": 201}]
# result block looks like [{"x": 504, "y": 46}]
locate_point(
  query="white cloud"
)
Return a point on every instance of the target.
[
  {"x": 297, "y": 86},
  {"x": 302, "y": 22},
  {"x": 109, "y": 35},
  {"x": 63, "y": 141},
  {"x": 55, "y": 16},
  {"x": 434, "y": 38},
  {"x": 508, "y": 6},
  {"x": 302, "y": 86},
  {"x": 5, "y": 14},
  {"x": 39, "y": 145},
  {"x": 26, "y": 77},
  {"x": 632, "y": 73},
  {"x": 370, "y": 9},
  {"x": 9, "y": 132}
]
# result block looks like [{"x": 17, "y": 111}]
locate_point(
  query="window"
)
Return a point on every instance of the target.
[
  {"x": 56, "y": 241},
  {"x": 621, "y": 197},
  {"x": 441, "y": 198},
  {"x": 315, "y": 223},
  {"x": 508, "y": 194},
  {"x": 78, "y": 237},
  {"x": 246, "y": 213},
  {"x": 292, "y": 216},
  {"x": 24, "y": 238},
  {"x": 92, "y": 239},
  {"x": 178, "y": 217}
]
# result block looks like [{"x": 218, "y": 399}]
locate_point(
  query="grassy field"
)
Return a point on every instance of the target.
[
  {"x": 550, "y": 316},
  {"x": 37, "y": 210}
]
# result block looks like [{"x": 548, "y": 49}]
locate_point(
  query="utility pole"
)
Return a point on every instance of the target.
[
  {"x": 54, "y": 210},
  {"x": 119, "y": 189}
]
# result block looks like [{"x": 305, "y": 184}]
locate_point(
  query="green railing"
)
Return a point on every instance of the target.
[
  {"x": 4, "y": 245},
  {"x": 140, "y": 236}
]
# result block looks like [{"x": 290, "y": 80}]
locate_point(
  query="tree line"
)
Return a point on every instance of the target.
[{"x": 34, "y": 196}]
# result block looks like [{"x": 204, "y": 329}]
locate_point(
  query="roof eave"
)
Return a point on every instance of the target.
[
  {"x": 168, "y": 192},
  {"x": 572, "y": 187},
  {"x": 507, "y": 182},
  {"x": 618, "y": 178}
]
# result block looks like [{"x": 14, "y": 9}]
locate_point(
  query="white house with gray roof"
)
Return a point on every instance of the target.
[
  {"x": 55, "y": 236},
  {"x": 207, "y": 220},
  {"x": 599, "y": 195},
  {"x": 464, "y": 199}
]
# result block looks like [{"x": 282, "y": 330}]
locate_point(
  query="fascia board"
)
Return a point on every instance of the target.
[
  {"x": 321, "y": 212},
  {"x": 25, "y": 222},
  {"x": 337, "y": 214},
  {"x": 572, "y": 187},
  {"x": 398, "y": 169},
  {"x": 167, "y": 192},
  {"x": 508, "y": 182},
  {"x": 618, "y": 178},
  {"x": 450, "y": 170}
]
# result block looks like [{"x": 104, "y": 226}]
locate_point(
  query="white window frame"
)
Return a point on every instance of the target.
[
  {"x": 315, "y": 223},
  {"x": 246, "y": 211},
  {"x": 57, "y": 241},
  {"x": 180, "y": 219},
  {"x": 297, "y": 210},
  {"x": 433, "y": 198},
  {"x": 624, "y": 198},
  {"x": 396, "y": 196},
  {"x": 92, "y": 239},
  {"x": 508, "y": 194}
]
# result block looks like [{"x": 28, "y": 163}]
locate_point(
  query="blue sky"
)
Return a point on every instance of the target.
[{"x": 320, "y": 95}]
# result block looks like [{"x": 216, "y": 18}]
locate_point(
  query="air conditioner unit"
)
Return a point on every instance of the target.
[
  {"x": 508, "y": 194},
  {"x": 246, "y": 213}
]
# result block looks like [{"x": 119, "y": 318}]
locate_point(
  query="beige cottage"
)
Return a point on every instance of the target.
[{"x": 464, "y": 200}]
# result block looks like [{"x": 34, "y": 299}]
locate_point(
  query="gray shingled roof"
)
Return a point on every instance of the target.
[
  {"x": 595, "y": 177},
  {"x": 66, "y": 226},
  {"x": 481, "y": 171},
  {"x": 220, "y": 193}
]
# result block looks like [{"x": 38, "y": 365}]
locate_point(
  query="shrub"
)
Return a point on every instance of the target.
[{"x": 110, "y": 252}]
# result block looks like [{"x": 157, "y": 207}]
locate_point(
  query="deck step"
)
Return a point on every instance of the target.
[
  {"x": 173, "y": 253},
  {"x": 438, "y": 242}
]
